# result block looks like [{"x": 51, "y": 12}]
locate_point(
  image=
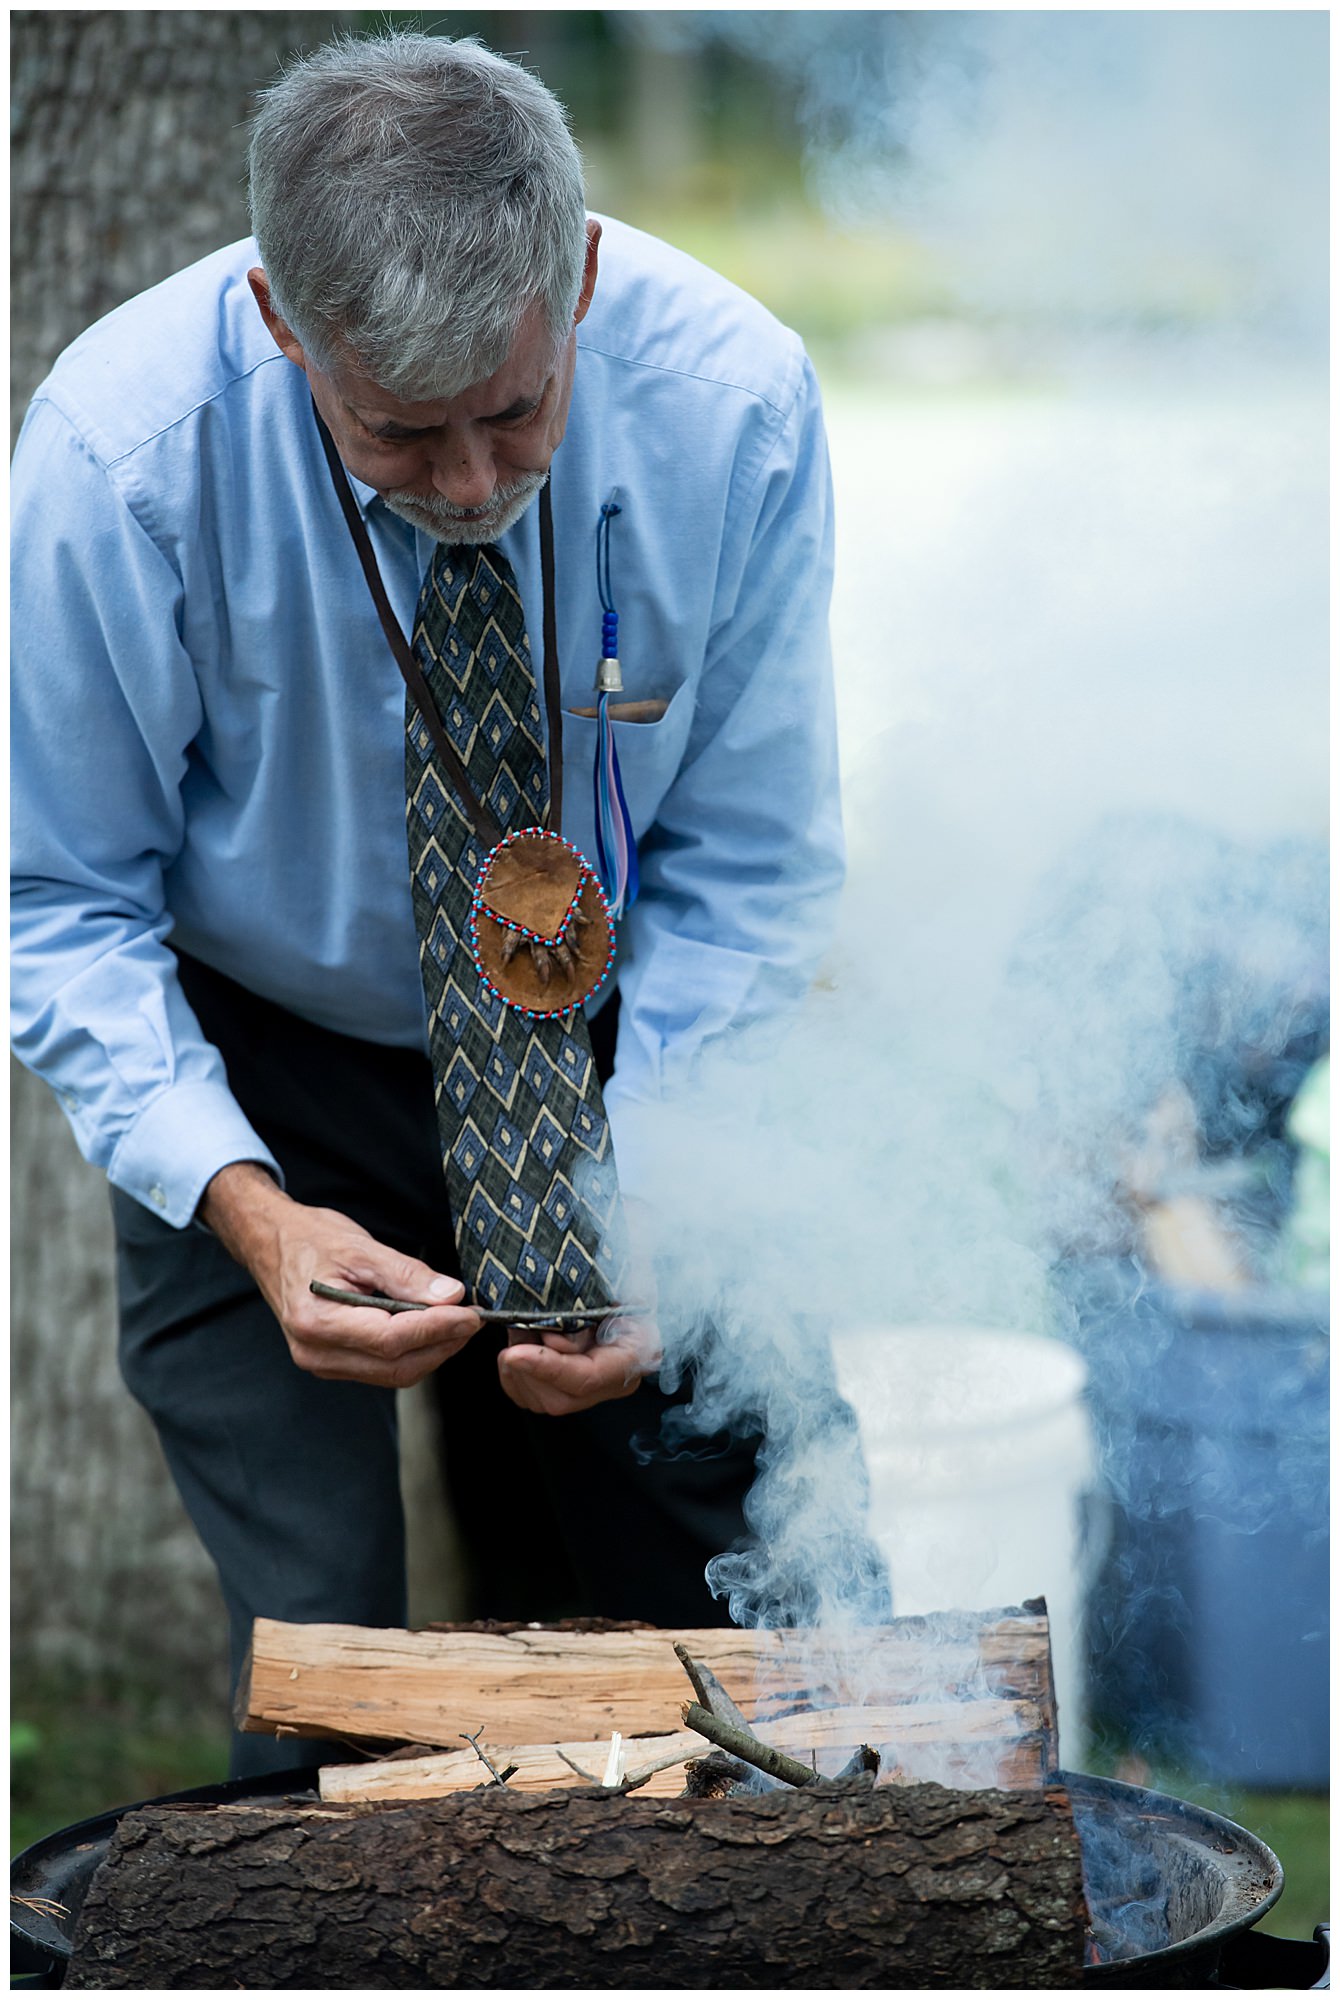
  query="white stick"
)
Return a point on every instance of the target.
[{"x": 614, "y": 1763}]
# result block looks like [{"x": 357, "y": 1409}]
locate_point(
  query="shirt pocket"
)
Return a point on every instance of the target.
[{"x": 649, "y": 754}]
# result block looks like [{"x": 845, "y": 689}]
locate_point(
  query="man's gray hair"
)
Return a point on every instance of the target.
[{"x": 412, "y": 197}]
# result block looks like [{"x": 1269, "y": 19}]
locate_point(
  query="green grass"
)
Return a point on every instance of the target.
[
  {"x": 75, "y": 1752},
  {"x": 750, "y": 218},
  {"x": 828, "y": 283},
  {"x": 1296, "y": 1826}
]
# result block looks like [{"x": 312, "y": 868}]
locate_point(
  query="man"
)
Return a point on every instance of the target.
[{"x": 214, "y": 942}]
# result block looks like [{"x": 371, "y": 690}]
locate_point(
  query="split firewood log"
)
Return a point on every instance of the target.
[
  {"x": 959, "y": 1684},
  {"x": 1006, "y": 1730}
]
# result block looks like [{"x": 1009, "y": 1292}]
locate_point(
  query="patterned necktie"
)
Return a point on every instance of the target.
[{"x": 525, "y": 1143}]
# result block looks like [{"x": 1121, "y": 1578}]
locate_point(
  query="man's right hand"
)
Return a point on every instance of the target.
[{"x": 285, "y": 1245}]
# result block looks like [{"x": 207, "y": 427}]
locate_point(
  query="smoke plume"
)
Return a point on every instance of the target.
[{"x": 1080, "y": 641}]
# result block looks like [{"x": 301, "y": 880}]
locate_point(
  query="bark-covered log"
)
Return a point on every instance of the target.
[{"x": 826, "y": 1888}]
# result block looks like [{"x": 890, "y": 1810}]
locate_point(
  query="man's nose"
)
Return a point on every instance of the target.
[{"x": 463, "y": 472}]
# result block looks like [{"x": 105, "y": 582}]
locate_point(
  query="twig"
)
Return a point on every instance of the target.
[
  {"x": 632, "y": 1781},
  {"x": 363, "y": 1748},
  {"x": 483, "y": 1755},
  {"x": 589, "y": 1776},
  {"x": 646, "y": 1771},
  {"x": 41, "y": 1906},
  {"x": 709, "y": 1689},
  {"x": 862, "y": 1763},
  {"x": 742, "y": 1743}
]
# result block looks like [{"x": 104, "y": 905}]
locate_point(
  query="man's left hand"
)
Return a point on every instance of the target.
[{"x": 560, "y": 1378}]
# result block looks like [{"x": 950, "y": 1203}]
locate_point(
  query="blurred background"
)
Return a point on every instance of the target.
[{"x": 1064, "y": 277}]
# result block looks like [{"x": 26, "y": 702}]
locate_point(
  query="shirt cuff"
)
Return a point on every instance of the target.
[{"x": 176, "y": 1146}]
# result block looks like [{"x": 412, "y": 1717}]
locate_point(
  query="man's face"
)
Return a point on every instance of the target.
[{"x": 463, "y": 469}]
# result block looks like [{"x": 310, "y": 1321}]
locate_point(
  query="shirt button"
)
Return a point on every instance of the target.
[
  {"x": 157, "y": 1196},
  {"x": 69, "y": 1100}
]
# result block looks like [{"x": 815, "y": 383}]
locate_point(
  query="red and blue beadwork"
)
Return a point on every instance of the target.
[{"x": 540, "y": 930}]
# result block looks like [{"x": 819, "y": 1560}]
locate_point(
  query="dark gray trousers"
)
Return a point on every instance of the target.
[{"x": 292, "y": 1483}]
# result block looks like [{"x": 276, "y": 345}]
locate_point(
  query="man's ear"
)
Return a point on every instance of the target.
[
  {"x": 285, "y": 339},
  {"x": 589, "y": 270}
]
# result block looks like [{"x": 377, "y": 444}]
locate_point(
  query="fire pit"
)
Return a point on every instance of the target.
[
  {"x": 1169, "y": 1885},
  {"x": 1174, "y": 1889}
]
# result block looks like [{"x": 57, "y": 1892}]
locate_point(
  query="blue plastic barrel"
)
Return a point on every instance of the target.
[{"x": 1208, "y": 1623}]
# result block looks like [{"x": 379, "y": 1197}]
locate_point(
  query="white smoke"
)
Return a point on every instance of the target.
[
  {"x": 1144, "y": 167},
  {"x": 1081, "y": 652}
]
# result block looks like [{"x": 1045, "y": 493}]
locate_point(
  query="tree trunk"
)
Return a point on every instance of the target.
[
  {"x": 840, "y": 1886},
  {"x": 128, "y": 154},
  {"x": 127, "y": 162},
  {"x": 89, "y": 1492}
]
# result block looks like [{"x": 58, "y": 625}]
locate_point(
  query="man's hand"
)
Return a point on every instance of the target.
[
  {"x": 560, "y": 1378},
  {"x": 564, "y": 1376},
  {"x": 285, "y": 1244}
]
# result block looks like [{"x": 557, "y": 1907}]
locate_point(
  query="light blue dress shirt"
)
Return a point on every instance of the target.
[{"x": 208, "y": 723}]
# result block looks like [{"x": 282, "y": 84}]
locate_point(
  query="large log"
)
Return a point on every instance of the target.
[
  {"x": 833, "y": 1886},
  {"x": 974, "y": 1690}
]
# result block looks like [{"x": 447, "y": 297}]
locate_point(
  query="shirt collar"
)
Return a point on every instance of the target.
[
  {"x": 372, "y": 506},
  {"x": 365, "y": 495}
]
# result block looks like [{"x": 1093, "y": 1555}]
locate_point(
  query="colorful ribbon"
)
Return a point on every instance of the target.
[{"x": 616, "y": 849}]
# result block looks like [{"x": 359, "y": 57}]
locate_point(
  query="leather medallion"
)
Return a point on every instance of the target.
[{"x": 541, "y": 934}]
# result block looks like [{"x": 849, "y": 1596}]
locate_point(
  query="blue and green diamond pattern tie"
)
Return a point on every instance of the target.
[{"x": 525, "y": 1142}]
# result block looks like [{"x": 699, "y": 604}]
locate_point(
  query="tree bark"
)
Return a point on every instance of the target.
[
  {"x": 835, "y": 1886},
  {"x": 128, "y": 154}
]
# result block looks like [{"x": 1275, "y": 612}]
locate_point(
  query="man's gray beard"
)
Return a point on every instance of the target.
[{"x": 440, "y": 519}]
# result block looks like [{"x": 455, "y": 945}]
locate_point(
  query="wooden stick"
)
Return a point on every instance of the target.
[
  {"x": 863, "y": 1762},
  {"x": 645, "y": 1772},
  {"x": 743, "y": 1744},
  {"x": 589, "y": 1776},
  {"x": 557, "y": 1320},
  {"x": 631, "y": 1781},
  {"x": 709, "y": 1689},
  {"x": 483, "y": 1755}
]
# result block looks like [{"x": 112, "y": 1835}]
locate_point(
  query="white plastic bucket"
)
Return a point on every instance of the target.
[{"x": 980, "y": 1453}]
